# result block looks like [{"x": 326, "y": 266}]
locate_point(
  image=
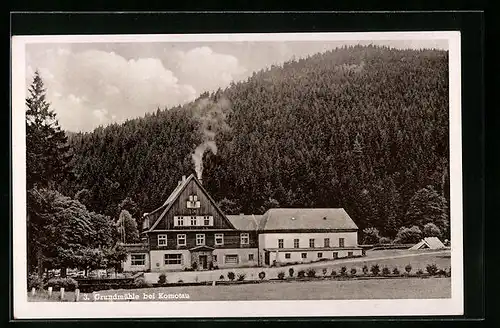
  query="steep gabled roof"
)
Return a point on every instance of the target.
[
  {"x": 177, "y": 192},
  {"x": 306, "y": 218},
  {"x": 245, "y": 222}
]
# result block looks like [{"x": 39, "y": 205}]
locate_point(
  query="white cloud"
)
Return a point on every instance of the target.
[
  {"x": 207, "y": 70},
  {"x": 96, "y": 87}
]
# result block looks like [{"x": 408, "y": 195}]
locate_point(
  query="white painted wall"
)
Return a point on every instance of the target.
[
  {"x": 270, "y": 240},
  {"x": 158, "y": 260},
  {"x": 243, "y": 257}
]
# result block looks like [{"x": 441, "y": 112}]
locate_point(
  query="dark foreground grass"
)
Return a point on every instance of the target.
[{"x": 411, "y": 288}]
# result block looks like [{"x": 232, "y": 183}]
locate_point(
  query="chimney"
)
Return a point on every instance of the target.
[
  {"x": 242, "y": 213},
  {"x": 183, "y": 178},
  {"x": 201, "y": 181}
]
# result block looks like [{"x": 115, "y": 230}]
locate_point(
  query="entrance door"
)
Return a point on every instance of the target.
[
  {"x": 266, "y": 258},
  {"x": 203, "y": 261}
]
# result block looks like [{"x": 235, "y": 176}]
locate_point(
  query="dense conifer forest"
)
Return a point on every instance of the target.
[{"x": 364, "y": 128}]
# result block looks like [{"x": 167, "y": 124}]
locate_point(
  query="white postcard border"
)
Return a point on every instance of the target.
[{"x": 330, "y": 308}]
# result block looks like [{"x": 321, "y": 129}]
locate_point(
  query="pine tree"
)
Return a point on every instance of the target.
[{"x": 47, "y": 151}]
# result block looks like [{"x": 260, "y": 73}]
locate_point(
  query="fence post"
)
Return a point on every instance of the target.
[
  {"x": 33, "y": 291},
  {"x": 50, "y": 291},
  {"x": 77, "y": 295},
  {"x": 62, "y": 293}
]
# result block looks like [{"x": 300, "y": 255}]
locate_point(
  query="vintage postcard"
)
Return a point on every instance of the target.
[{"x": 237, "y": 175}]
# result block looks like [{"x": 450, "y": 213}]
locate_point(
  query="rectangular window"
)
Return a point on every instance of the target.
[
  {"x": 206, "y": 221},
  {"x": 304, "y": 255},
  {"x": 296, "y": 243},
  {"x": 350, "y": 253},
  {"x": 193, "y": 202},
  {"x": 250, "y": 257},
  {"x": 193, "y": 221},
  {"x": 327, "y": 242},
  {"x": 179, "y": 222},
  {"x": 162, "y": 240},
  {"x": 311, "y": 243},
  {"x": 200, "y": 239},
  {"x": 219, "y": 239},
  {"x": 214, "y": 258},
  {"x": 288, "y": 255},
  {"x": 181, "y": 240},
  {"x": 341, "y": 242},
  {"x": 231, "y": 259},
  {"x": 173, "y": 259},
  {"x": 280, "y": 243},
  {"x": 320, "y": 255},
  {"x": 244, "y": 239},
  {"x": 138, "y": 259},
  {"x": 335, "y": 255}
]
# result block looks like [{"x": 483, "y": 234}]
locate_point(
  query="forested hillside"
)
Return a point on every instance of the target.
[{"x": 363, "y": 128}]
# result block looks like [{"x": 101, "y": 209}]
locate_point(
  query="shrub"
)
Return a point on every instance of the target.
[
  {"x": 442, "y": 273},
  {"x": 301, "y": 274},
  {"x": 408, "y": 235},
  {"x": 396, "y": 271},
  {"x": 140, "y": 282},
  {"x": 325, "y": 271},
  {"x": 384, "y": 240},
  {"x": 195, "y": 265},
  {"x": 431, "y": 230},
  {"x": 262, "y": 275},
  {"x": 353, "y": 271},
  {"x": 334, "y": 273},
  {"x": 180, "y": 281},
  {"x": 448, "y": 273},
  {"x": 311, "y": 272},
  {"x": 432, "y": 269},
  {"x": 69, "y": 284},
  {"x": 420, "y": 272},
  {"x": 241, "y": 276},
  {"x": 162, "y": 279},
  {"x": 35, "y": 281},
  {"x": 386, "y": 271},
  {"x": 230, "y": 275},
  {"x": 365, "y": 269},
  {"x": 290, "y": 272},
  {"x": 375, "y": 269},
  {"x": 343, "y": 271},
  {"x": 408, "y": 268},
  {"x": 371, "y": 236},
  {"x": 281, "y": 275},
  {"x": 221, "y": 277}
]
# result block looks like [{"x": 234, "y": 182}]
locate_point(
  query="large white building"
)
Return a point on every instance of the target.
[{"x": 189, "y": 231}]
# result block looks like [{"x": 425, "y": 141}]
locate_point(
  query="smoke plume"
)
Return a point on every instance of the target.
[{"x": 212, "y": 118}]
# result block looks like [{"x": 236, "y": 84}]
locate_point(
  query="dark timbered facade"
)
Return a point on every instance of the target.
[{"x": 189, "y": 231}]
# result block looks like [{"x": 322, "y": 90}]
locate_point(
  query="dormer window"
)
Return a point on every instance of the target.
[{"x": 193, "y": 202}]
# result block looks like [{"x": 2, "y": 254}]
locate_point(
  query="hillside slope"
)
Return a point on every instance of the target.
[{"x": 362, "y": 128}]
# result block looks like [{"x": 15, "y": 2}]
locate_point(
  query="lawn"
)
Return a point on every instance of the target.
[{"x": 411, "y": 288}]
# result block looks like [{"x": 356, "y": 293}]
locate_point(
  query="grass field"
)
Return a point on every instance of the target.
[{"x": 412, "y": 288}]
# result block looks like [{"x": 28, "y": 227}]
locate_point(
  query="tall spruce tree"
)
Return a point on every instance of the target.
[{"x": 47, "y": 150}]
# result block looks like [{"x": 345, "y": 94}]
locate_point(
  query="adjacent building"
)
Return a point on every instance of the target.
[{"x": 189, "y": 231}]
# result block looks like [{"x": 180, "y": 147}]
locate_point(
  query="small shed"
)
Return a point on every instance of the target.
[{"x": 428, "y": 243}]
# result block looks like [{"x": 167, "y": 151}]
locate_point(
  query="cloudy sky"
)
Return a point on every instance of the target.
[{"x": 92, "y": 84}]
